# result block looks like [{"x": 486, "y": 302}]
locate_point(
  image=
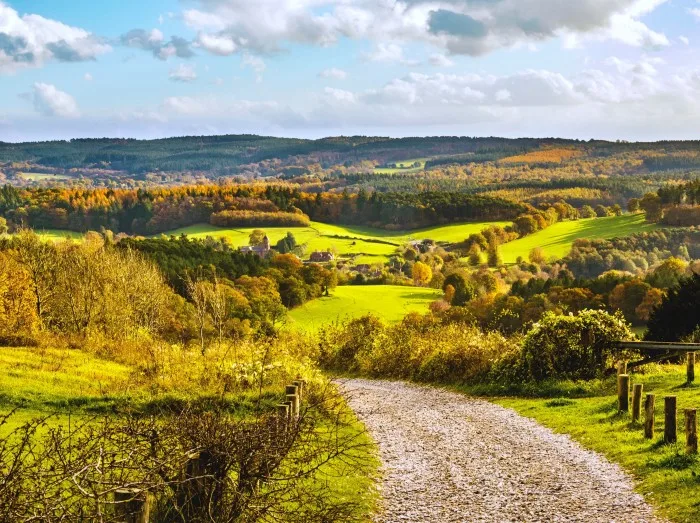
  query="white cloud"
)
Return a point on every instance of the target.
[
  {"x": 183, "y": 73},
  {"x": 87, "y": 77},
  {"x": 695, "y": 11},
  {"x": 256, "y": 64},
  {"x": 456, "y": 26},
  {"x": 49, "y": 101},
  {"x": 333, "y": 74},
  {"x": 154, "y": 41},
  {"x": 388, "y": 53},
  {"x": 219, "y": 45},
  {"x": 31, "y": 40},
  {"x": 684, "y": 40},
  {"x": 440, "y": 60}
]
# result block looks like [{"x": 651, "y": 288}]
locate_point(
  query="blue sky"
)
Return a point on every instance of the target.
[{"x": 626, "y": 69}]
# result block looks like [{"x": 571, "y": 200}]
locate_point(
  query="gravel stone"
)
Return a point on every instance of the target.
[{"x": 448, "y": 458}]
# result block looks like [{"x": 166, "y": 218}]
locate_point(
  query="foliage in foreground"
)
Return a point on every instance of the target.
[{"x": 196, "y": 464}]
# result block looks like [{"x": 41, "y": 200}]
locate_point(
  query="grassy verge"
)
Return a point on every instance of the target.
[
  {"x": 389, "y": 302},
  {"x": 664, "y": 474}
]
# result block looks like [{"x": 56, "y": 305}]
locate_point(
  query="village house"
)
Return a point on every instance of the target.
[
  {"x": 321, "y": 257},
  {"x": 263, "y": 250}
]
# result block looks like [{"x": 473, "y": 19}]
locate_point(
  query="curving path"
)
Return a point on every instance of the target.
[{"x": 448, "y": 458}]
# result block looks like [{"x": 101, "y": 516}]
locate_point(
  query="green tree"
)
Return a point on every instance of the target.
[
  {"x": 678, "y": 315},
  {"x": 651, "y": 205},
  {"x": 257, "y": 237}
]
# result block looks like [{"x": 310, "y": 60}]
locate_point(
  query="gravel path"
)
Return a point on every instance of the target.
[{"x": 449, "y": 458}]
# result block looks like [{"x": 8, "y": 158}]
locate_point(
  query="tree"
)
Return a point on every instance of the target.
[
  {"x": 587, "y": 212},
  {"x": 652, "y": 299},
  {"x": 422, "y": 274},
  {"x": 463, "y": 291},
  {"x": 601, "y": 211},
  {"x": 287, "y": 244},
  {"x": 633, "y": 205},
  {"x": 668, "y": 273},
  {"x": 678, "y": 315},
  {"x": 3, "y": 225},
  {"x": 257, "y": 237},
  {"x": 537, "y": 255},
  {"x": 651, "y": 205},
  {"x": 493, "y": 256},
  {"x": 628, "y": 297}
]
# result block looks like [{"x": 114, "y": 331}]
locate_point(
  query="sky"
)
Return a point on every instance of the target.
[{"x": 609, "y": 69}]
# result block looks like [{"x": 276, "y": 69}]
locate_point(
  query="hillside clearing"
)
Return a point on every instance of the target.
[
  {"x": 373, "y": 245},
  {"x": 390, "y": 303},
  {"x": 556, "y": 240}
]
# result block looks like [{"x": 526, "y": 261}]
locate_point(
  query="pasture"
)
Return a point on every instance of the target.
[
  {"x": 556, "y": 240},
  {"x": 44, "y": 177},
  {"x": 371, "y": 245},
  {"x": 405, "y": 166},
  {"x": 388, "y": 302}
]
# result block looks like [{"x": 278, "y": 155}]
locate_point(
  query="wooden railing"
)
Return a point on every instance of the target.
[{"x": 658, "y": 351}]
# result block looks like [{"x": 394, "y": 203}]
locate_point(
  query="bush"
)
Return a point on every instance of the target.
[{"x": 572, "y": 347}]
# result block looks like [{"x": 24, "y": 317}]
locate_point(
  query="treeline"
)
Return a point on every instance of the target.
[
  {"x": 159, "y": 210},
  {"x": 258, "y": 219},
  {"x": 404, "y": 210}
]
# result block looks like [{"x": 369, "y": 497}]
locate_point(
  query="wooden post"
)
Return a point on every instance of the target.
[
  {"x": 300, "y": 388},
  {"x": 691, "y": 431},
  {"x": 623, "y": 393},
  {"x": 282, "y": 417},
  {"x": 690, "y": 369},
  {"x": 649, "y": 416},
  {"x": 293, "y": 400},
  {"x": 621, "y": 367},
  {"x": 132, "y": 505},
  {"x": 670, "y": 428},
  {"x": 637, "y": 401}
]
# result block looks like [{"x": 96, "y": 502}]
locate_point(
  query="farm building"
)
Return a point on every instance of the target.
[
  {"x": 321, "y": 257},
  {"x": 263, "y": 250}
]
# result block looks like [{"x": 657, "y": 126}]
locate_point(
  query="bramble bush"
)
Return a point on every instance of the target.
[{"x": 570, "y": 347}]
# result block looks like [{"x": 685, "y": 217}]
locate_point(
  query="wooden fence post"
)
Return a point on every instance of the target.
[
  {"x": 637, "y": 401},
  {"x": 132, "y": 505},
  {"x": 623, "y": 393},
  {"x": 292, "y": 393},
  {"x": 621, "y": 367},
  {"x": 649, "y": 416},
  {"x": 691, "y": 431},
  {"x": 690, "y": 369},
  {"x": 301, "y": 386},
  {"x": 670, "y": 428}
]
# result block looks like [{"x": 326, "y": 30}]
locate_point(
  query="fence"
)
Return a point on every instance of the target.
[
  {"x": 133, "y": 505},
  {"x": 658, "y": 351}
]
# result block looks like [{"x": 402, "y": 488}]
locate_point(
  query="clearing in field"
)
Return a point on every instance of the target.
[
  {"x": 44, "y": 177},
  {"x": 388, "y": 302},
  {"x": 370, "y": 245},
  {"x": 406, "y": 166},
  {"x": 556, "y": 240}
]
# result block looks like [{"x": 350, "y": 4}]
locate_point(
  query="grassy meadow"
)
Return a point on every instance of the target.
[
  {"x": 371, "y": 245},
  {"x": 403, "y": 167},
  {"x": 556, "y": 240},
  {"x": 390, "y": 303},
  {"x": 664, "y": 473}
]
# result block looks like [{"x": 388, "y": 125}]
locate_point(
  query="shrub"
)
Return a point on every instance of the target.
[{"x": 572, "y": 347}]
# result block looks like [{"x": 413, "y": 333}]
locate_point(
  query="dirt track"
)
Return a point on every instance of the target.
[{"x": 448, "y": 458}]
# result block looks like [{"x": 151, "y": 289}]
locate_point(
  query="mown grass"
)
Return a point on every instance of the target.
[
  {"x": 372, "y": 245},
  {"x": 43, "y": 177},
  {"x": 557, "y": 240},
  {"x": 389, "y": 302},
  {"x": 664, "y": 473}
]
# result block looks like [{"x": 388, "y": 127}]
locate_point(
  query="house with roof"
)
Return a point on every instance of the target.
[
  {"x": 321, "y": 257},
  {"x": 263, "y": 250}
]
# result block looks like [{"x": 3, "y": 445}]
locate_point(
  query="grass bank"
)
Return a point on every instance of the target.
[{"x": 664, "y": 474}]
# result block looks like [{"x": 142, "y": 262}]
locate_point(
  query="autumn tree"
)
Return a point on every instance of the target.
[
  {"x": 537, "y": 255},
  {"x": 651, "y": 205},
  {"x": 256, "y": 237},
  {"x": 422, "y": 274}
]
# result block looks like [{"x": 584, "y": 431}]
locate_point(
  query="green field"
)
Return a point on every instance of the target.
[
  {"x": 344, "y": 240},
  {"x": 391, "y": 303},
  {"x": 403, "y": 167},
  {"x": 664, "y": 473},
  {"x": 558, "y": 239}
]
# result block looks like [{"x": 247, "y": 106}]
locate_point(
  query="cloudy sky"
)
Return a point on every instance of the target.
[{"x": 151, "y": 68}]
